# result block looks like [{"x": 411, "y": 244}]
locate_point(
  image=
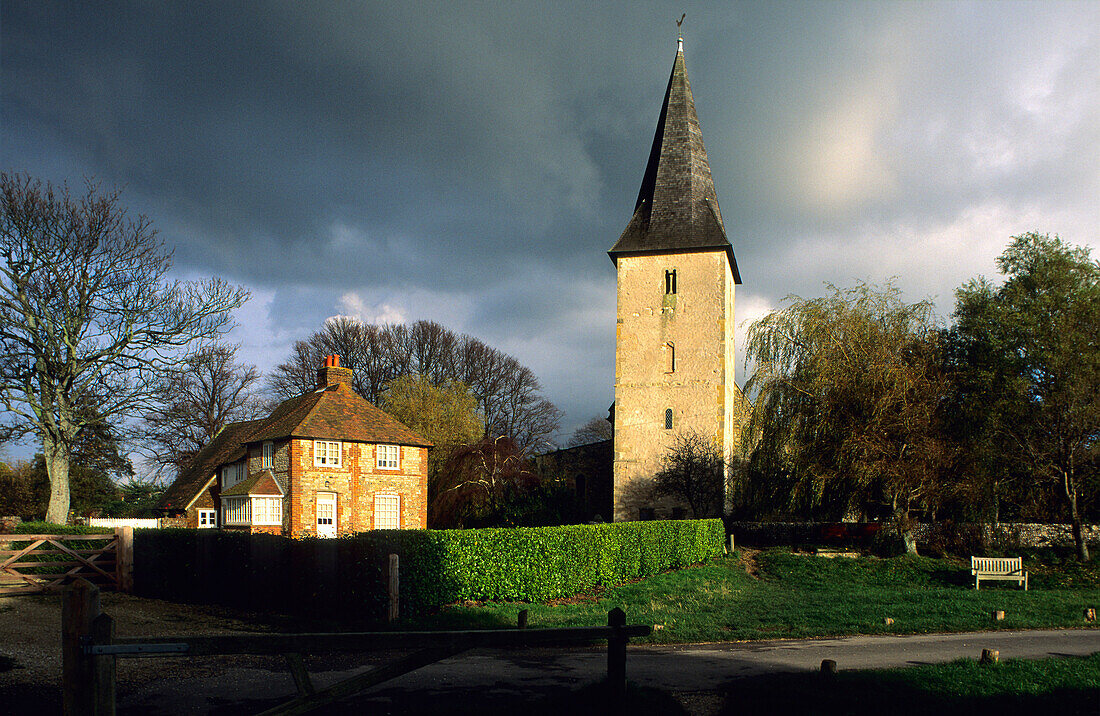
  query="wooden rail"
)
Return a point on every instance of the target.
[
  {"x": 23, "y": 566},
  {"x": 90, "y": 649}
]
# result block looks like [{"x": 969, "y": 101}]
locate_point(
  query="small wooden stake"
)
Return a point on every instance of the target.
[
  {"x": 998, "y": 615},
  {"x": 521, "y": 619},
  {"x": 828, "y": 668},
  {"x": 394, "y": 589},
  {"x": 616, "y": 654},
  {"x": 989, "y": 656},
  {"x": 731, "y": 543}
]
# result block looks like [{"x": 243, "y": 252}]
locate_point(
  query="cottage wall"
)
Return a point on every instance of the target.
[{"x": 355, "y": 482}]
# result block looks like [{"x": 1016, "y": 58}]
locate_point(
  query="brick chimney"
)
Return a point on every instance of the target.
[{"x": 332, "y": 373}]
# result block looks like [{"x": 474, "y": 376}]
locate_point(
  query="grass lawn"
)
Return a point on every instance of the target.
[
  {"x": 1063, "y": 686},
  {"x": 793, "y": 596}
]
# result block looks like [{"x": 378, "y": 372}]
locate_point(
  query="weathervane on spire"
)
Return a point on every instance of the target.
[{"x": 680, "y": 41}]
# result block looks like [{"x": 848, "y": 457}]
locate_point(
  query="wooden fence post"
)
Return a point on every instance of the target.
[
  {"x": 79, "y": 607},
  {"x": 521, "y": 619},
  {"x": 124, "y": 559},
  {"x": 616, "y": 653},
  {"x": 103, "y": 667},
  {"x": 394, "y": 589}
]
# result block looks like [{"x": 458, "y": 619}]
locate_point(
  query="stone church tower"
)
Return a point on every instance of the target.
[{"x": 674, "y": 343}]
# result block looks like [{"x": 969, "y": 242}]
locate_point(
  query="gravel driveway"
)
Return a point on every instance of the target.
[{"x": 30, "y": 646}]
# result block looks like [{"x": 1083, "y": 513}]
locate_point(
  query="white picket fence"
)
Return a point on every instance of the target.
[{"x": 135, "y": 522}]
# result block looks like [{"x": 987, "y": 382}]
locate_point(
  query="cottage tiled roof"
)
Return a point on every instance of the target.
[
  {"x": 226, "y": 447},
  {"x": 336, "y": 413},
  {"x": 333, "y": 413},
  {"x": 677, "y": 208},
  {"x": 262, "y": 483}
]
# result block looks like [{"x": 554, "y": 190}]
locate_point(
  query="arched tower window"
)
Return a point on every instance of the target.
[
  {"x": 668, "y": 418},
  {"x": 670, "y": 282}
]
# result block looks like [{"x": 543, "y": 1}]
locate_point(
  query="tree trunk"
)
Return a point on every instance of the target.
[
  {"x": 57, "y": 469},
  {"x": 909, "y": 540},
  {"x": 1075, "y": 519},
  {"x": 905, "y": 529},
  {"x": 1079, "y": 539}
]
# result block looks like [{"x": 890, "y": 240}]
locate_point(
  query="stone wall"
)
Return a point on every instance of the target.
[
  {"x": 1014, "y": 534},
  {"x": 1006, "y": 534}
]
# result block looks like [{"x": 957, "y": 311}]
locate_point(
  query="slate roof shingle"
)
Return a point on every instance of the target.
[{"x": 677, "y": 207}]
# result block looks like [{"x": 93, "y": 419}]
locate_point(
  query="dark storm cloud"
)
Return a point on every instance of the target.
[
  {"x": 319, "y": 132},
  {"x": 472, "y": 163}
]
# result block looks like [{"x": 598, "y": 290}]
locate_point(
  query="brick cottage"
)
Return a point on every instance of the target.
[{"x": 323, "y": 464}]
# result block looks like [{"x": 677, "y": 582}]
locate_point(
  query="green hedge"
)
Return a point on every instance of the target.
[
  {"x": 347, "y": 577},
  {"x": 49, "y": 528}
]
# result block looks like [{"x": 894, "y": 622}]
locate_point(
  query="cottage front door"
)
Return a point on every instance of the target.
[{"x": 326, "y": 514}]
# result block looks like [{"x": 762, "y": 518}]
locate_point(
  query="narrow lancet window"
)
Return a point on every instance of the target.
[
  {"x": 668, "y": 419},
  {"x": 670, "y": 282}
]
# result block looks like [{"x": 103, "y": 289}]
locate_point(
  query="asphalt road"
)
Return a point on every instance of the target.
[{"x": 683, "y": 668}]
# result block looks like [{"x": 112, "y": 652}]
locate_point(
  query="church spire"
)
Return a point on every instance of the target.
[{"x": 677, "y": 207}]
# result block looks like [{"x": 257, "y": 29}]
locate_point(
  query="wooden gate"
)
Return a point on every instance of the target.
[{"x": 34, "y": 564}]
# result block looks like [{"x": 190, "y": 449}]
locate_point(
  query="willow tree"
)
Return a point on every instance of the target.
[
  {"x": 846, "y": 411},
  {"x": 89, "y": 318}
]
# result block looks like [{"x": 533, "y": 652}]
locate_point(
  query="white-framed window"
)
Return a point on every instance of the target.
[
  {"x": 236, "y": 511},
  {"x": 387, "y": 457},
  {"x": 326, "y": 453},
  {"x": 232, "y": 474},
  {"x": 387, "y": 512},
  {"x": 208, "y": 518},
  {"x": 268, "y": 460},
  {"x": 267, "y": 510}
]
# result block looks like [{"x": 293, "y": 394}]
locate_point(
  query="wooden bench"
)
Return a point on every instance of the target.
[{"x": 1003, "y": 568}]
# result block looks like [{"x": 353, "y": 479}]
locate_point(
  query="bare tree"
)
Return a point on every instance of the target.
[
  {"x": 507, "y": 392},
  {"x": 298, "y": 374},
  {"x": 200, "y": 396},
  {"x": 375, "y": 354},
  {"x": 594, "y": 431},
  {"x": 88, "y": 317},
  {"x": 694, "y": 471}
]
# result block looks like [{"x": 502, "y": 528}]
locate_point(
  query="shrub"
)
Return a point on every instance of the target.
[
  {"x": 347, "y": 577},
  {"x": 50, "y": 528}
]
